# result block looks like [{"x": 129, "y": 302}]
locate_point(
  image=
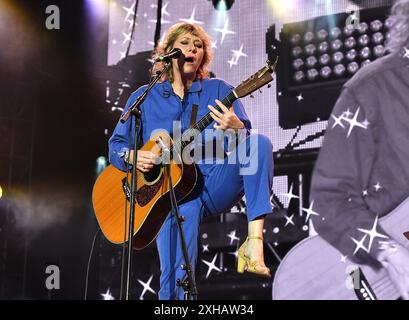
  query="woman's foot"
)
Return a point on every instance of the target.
[{"x": 251, "y": 257}]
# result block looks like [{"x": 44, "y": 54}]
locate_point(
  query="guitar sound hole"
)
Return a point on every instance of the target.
[{"x": 153, "y": 175}]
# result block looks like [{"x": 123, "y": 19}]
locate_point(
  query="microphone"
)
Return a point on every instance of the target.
[{"x": 174, "y": 54}]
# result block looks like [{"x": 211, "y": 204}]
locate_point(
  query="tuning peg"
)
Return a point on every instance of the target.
[
  {"x": 251, "y": 96},
  {"x": 269, "y": 86},
  {"x": 260, "y": 91}
]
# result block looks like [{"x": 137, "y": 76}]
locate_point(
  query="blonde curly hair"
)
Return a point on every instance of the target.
[
  {"x": 167, "y": 45},
  {"x": 398, "y": 26}
]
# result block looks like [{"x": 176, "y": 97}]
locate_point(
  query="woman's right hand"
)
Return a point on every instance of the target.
[{"x": 145, "y": 160}]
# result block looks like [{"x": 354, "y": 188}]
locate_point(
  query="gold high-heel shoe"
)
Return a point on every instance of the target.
[{"x": 245, "y": 264}]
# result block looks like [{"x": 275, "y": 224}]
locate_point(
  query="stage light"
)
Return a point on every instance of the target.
[
  {"x": 312, "y": 74},
  {"x": 325, "y": 59},
  {"x": 325, "y": 72},
  {"x": 362, "y": 27},
  {"x": 101, "y": 163},
  {"x": 349, "y": 29},
  {"x": 311, "y": 62},
  {"x": 323, "y": 47},
  {"x": 308, "y": 37},
  {"x": 298, "y": 63},
  {"x": 365, "y": 53},
  {"x": 295, "y": 39},
  {"x": 376, "y": 25},
  {"x": 337, "y": 57},
  {"x": 322, "y": 34},
  {"x": 365, "y": 62},
  {"x": 337, "y": 45},
  {"x": 363, "y": 40},
  {"x": 222, "y": 5},
  {"x": 297, "y": 51},
  {"x": 379, "y": 51},
  {"x": 1, "y": 192},
  {"x": 339, "y": 69},
  {"x": 377, "y": 38},
  {"x": 299, "y": 76},
  {"x": 335, "y": 32},
  {"x": 321, "y": 54},
  {"x": 350, "y": 43},
  {"x": 310, "y": 49},
  {"x": 353, "y": 67},
  {"x": 351, "y": 54}
]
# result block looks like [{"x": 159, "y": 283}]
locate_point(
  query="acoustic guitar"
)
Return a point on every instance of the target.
[
  {"x": 314, "y": 270},
  {"x": 111, "y": 192}
]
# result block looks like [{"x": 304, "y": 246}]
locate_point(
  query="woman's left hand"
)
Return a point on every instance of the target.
[{"x": 226, "y": 120}]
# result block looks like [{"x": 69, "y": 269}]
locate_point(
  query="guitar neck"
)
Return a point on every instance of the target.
[{"x": 190, "y": 134}]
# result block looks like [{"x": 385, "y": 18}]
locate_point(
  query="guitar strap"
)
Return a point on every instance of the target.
[{"x": 193, "y": 115}]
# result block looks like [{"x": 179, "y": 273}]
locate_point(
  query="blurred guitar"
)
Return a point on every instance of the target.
[
  {"x": 313, "y": 270},
  {"x": 152, "y": 203}
]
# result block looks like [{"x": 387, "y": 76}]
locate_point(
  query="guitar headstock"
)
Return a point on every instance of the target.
[{"x": 257, "y": 80}]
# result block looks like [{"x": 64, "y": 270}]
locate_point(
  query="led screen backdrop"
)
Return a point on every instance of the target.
[{"x": 239, "y": 43}]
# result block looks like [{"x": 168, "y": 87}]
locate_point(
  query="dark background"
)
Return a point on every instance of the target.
[{"x": 52, "y": 131}]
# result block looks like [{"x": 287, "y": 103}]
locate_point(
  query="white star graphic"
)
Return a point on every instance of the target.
[
  {"x": 290, "y": 194},
  {"x": 366, "y": 123},
  {"x": 232, "y": 62},
  {"x": 406, "y": 54},
  {"x": 224, "y": 31},
  {"x": 310, "y": 211},
  {"x": 365, "y": 193},
  {"x": 377, "y": 186},
  {"x": 117, "y": 108},
  {"x": 359, "y": 244},
  {"x": 163, "y": 12},
  {"x": 129, "y": 11},
  {"x": 214, "y": 44},
  {"x": 192, "y": 18},
  {"x": 107, "y": 295},
  {"x": 127, "y": 37},
  {"x": 232, "y": 236},
  {"x": 372, "y": 233},
  {"x": 211, "y": 266},
  {"x": 343, "y": 258},
  {"x": 338, "y": 121},
  {"x": 235, "y": 253},
  {"x": 130, "y": 23},
  {"x": 289, "y": 220},
  {"x": 205, "y": 248},
  {"x": 300, "y": 97},
  {"x": 146, "y": 287},
  {"x": 353, "y": 123},
  {"x": 347, "y": 113},
  {"x": 239, "y": 53},
  {"x": 123, "y": 54}
]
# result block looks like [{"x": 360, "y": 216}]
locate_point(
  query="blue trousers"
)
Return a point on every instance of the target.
[{"x": 223, "y": 186}]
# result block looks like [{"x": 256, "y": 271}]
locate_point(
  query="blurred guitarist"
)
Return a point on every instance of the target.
[
  {"x": 362, "y": 172},
  {"x": 223, "y": 180}
]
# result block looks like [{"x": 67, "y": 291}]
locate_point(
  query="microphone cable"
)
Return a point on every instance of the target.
[{"x": 89, "y": 263}]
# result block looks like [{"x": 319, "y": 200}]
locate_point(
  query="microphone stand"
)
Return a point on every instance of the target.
[
  {"x": 135, "y": 110},
  {"x": 189, "y": 284}
]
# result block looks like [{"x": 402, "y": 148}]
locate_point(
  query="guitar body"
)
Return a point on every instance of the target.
[
  {"x": 313, "y": 270},
  {"x": 152, "y": 203}
]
